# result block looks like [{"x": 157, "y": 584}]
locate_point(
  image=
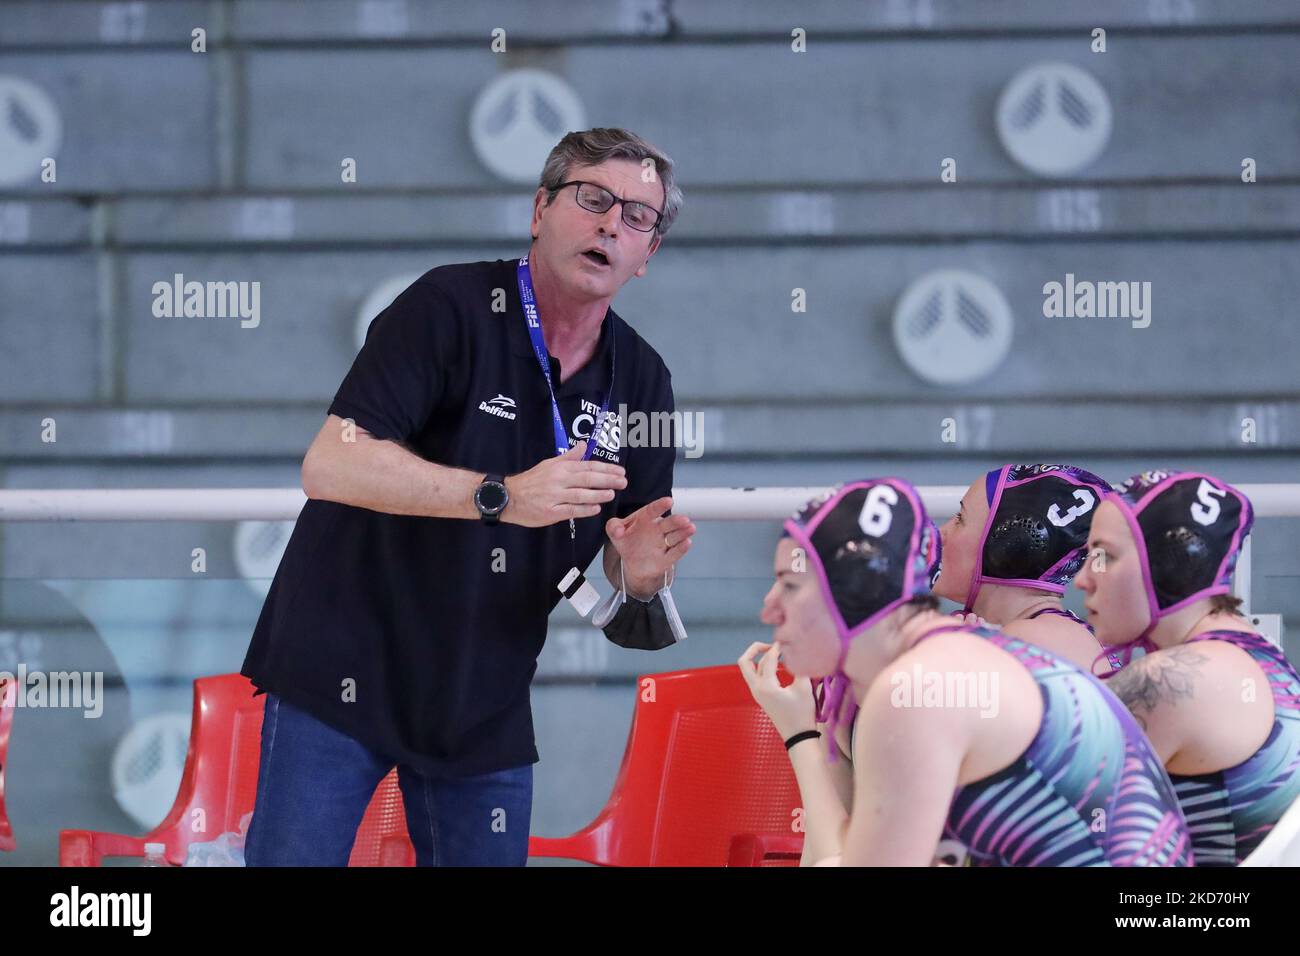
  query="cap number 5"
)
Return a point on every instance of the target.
[{"x": 1206, "y": 509}]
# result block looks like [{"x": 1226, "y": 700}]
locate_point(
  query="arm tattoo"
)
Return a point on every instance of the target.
[{"x": 1148, "y": 683}]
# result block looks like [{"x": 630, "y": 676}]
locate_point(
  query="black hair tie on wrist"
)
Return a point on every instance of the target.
[{"x": 803, "y": 735}]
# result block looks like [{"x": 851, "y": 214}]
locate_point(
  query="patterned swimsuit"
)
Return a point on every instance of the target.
[
  {"x": 1112, "y": 657},
  {"x": 1230, "y": 811},
  {"x": 1088, "y": 791}
]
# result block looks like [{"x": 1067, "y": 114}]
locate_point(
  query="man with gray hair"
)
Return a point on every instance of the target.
[{"x": 470, "y": 467}]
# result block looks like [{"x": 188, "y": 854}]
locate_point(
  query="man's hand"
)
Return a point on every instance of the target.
[
  {"x": 649, "y": 544},
  {"x": 560, "y": 488}
]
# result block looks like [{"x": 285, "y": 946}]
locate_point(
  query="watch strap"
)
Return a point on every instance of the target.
[{"x": 490, "y": 519}]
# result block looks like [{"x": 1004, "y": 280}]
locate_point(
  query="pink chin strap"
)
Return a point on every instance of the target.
[
  {"x": 1124, "y": 653},
  {"x": 831, "y": 710},
  {"x": 837, "y": 686},
  {"x": 973, "y": 591}
]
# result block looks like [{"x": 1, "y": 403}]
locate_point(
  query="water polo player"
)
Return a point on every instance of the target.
[
  {"x": 964, "y": 732},
  {"x": 1220, "y": 703},
  {"x": 1014, "y": 545}
]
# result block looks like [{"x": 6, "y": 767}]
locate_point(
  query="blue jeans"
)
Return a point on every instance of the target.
[{"x": 314, "y": 784}]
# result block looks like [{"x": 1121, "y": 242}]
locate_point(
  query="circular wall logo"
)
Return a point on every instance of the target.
[
  {"x": 380, "y": 298},
  {"x": 259, "y": 546},
  {"x": 1054, "y": 118},
  {"x": 518, "y": 118},
  {"x": 30, "y": 129},
  {"x": 952, "y": 326},
  {"x": 147, "y": 766}
]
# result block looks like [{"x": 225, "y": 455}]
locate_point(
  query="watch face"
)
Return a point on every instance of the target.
[{"x": 491, "y": 497}]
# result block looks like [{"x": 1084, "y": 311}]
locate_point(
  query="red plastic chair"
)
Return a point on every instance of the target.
[
  {"x": 705, "y": 781},
  {"x": 8, "y": 699},
  {"x": 219, "y": 785}
]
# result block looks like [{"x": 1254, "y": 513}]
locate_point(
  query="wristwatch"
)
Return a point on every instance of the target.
[{"x": 491, "y": 498}]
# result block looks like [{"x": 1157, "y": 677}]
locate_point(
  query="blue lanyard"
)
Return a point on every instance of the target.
[{"x": 544, "y": 359}]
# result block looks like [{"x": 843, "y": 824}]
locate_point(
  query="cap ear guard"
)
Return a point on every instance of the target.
[
  {"x": 859, "y": 541},
  {"x": 1016, "y": 544},
  {"x": 1036, "y": 532},
  {"x": 1181, "y": 562},
  {"x": 1188, "y": 529},
  {"x": 859, "y": 576}
]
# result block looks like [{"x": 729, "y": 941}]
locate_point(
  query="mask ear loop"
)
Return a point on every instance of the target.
[{"x": 622, "y": 581}]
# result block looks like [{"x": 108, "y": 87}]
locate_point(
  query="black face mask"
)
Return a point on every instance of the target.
[{"x": 641, "y": 626}]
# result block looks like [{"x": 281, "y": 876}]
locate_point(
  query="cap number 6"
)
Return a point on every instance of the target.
[{"x": 876, "y": 516}]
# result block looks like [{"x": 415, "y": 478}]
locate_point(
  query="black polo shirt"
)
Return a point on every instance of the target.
[{"x": 434, "y": 625}]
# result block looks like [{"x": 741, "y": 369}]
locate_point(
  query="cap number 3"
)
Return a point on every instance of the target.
[{"x": 1086, "y": 501}]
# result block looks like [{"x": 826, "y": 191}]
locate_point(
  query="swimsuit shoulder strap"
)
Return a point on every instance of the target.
[
  {"x": 1283, "y": 679},
  {"x": 1242, "y": 639},
  {"x": 1063, "y": 612},
  {"x": 1051, "y": 610},
  {"x": 1115, "y": 661},
  {"x": 944, "y": 628},
  {"x": 1256, "y": 645}
]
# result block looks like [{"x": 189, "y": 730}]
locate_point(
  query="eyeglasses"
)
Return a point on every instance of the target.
[{"x": 593, "y": 198}]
